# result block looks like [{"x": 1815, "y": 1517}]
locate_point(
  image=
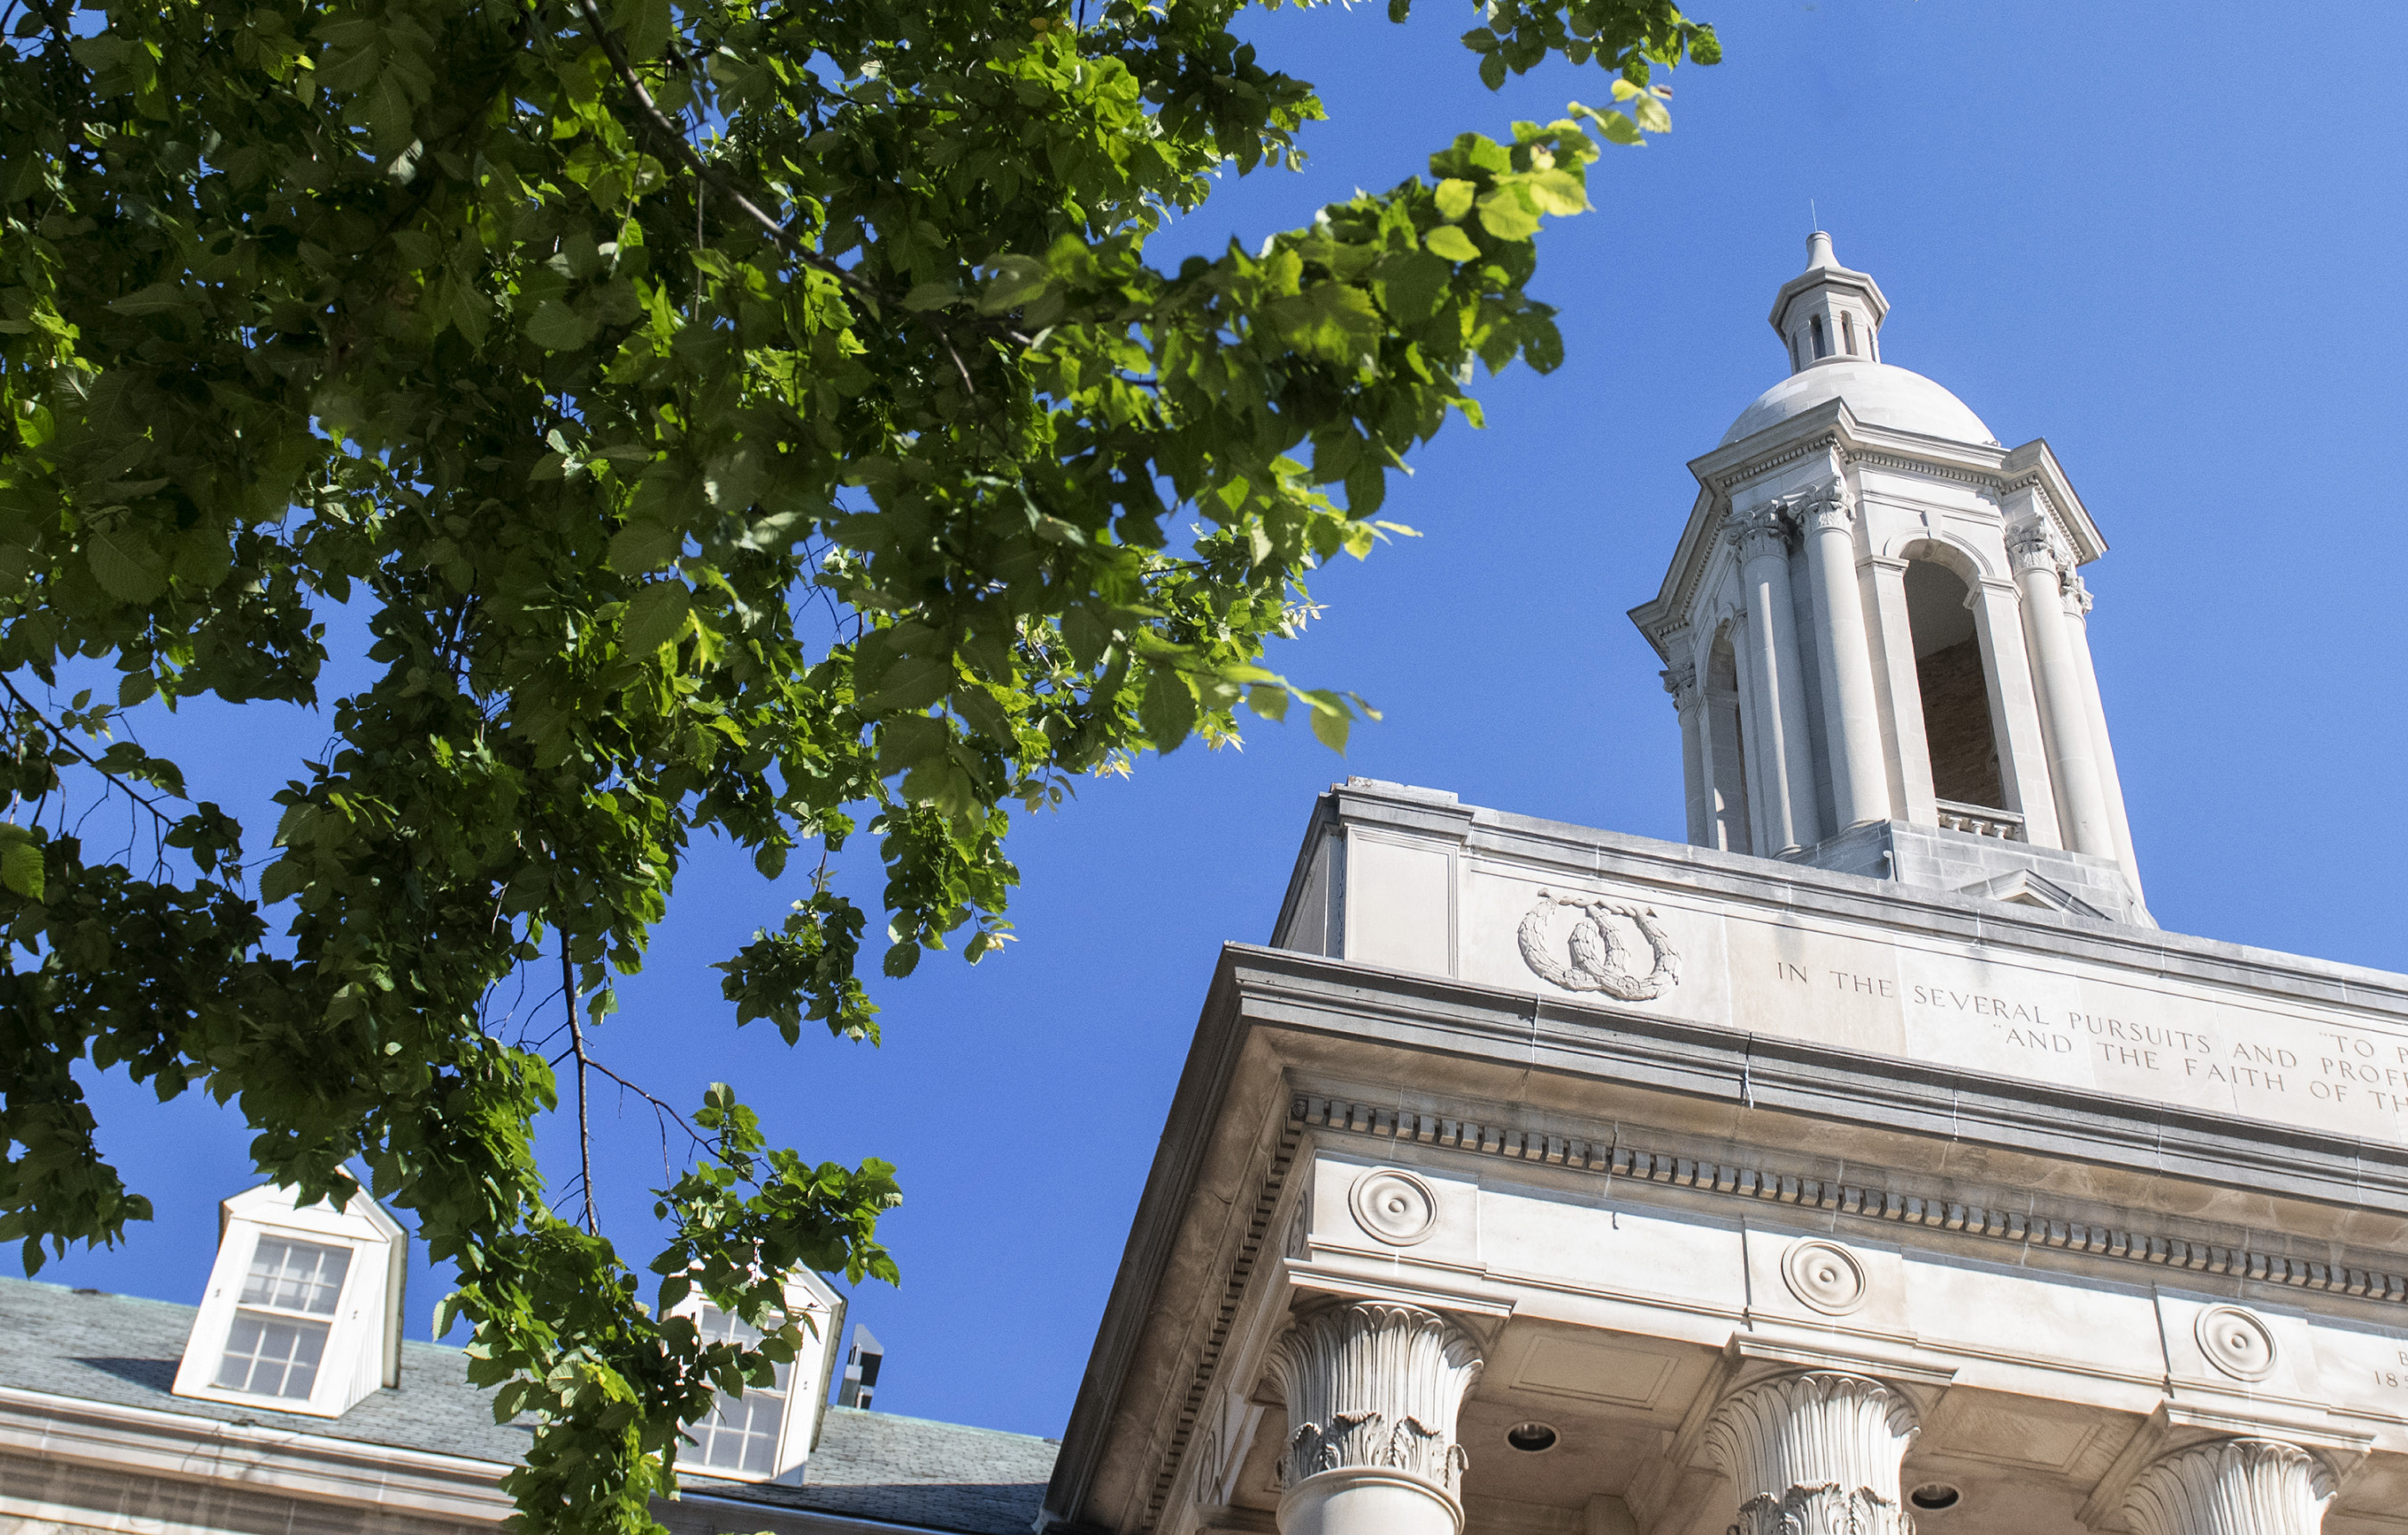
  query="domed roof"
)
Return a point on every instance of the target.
[{"x": 1877, "y": 394}]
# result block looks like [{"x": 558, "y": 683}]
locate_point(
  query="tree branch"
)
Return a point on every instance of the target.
[
  {"x": 661, "y": 124},
  {"x": 577, "y": 1048},
  {"x": 669, "y": 131},
  {"x": 89, "y": 760}
]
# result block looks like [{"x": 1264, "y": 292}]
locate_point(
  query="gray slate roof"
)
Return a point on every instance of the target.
[{"x": 112, "y": 1348}]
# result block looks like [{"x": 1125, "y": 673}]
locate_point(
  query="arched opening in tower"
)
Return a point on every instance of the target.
[
  {"x": 1726, "y": 749},
  {"x": 1953, "y": 677}
]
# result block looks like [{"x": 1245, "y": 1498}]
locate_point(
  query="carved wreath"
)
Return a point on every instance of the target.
[{"x": 1597, "y": 951}]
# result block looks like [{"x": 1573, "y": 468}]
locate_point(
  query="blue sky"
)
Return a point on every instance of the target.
[{"x": 2171, "y": 255}]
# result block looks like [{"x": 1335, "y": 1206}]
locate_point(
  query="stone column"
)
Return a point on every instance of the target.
[
  {"x": 1851, "y": 717},
  {"x": 2014, "y": 716},
  {"x": 1910, "y": 749},
  {"x": 2077, "y": 617},
  {"x": 1730, "y": 824},
  {"x": 1372, "y": 1391},
  {"x": 2231, "y": 1487},
  {"x": 2072, "y": 766},
  {"x": 1681, "y": 681},
  {"x": 1784, "y": 748},
  {"x": 1817, "y": 1451}
]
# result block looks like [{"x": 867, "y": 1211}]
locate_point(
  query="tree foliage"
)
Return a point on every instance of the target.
[{"x": 755, "y": 419}]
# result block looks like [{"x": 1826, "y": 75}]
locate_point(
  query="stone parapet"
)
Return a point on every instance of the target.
[{"x": 1965, "y": 864}]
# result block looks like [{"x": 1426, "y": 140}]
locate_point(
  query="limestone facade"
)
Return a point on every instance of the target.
[
  {"x": 1773, "y": 1193},
  {"x": 1870, "y": 1163}
]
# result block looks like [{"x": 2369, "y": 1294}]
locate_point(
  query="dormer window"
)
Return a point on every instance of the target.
[
  {"x": 766, "y": 1433},
  {"x": 278, "y": 1337},
  {"x": 303, "y": 1312}
]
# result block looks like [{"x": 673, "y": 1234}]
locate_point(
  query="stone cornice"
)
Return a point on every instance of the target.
[
  {"x": 137, "y": 1441},
  {"x": 1209, "y": 1202},
  {"x": 1831, "y": 427},
  {"x": 1623, "y": 1151},
  {"x": 53, "y": 1447}
]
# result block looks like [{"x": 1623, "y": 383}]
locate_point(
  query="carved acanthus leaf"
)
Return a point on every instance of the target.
[{"x": 1369, "y": 1383}]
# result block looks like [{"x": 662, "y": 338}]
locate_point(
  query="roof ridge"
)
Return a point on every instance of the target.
[{"x": 836, "y": 1408}]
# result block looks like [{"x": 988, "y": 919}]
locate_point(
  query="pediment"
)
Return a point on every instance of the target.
[{"x": 2022, "y": 887}]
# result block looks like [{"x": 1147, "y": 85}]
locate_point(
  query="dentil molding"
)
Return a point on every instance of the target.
[{"x": 2029, "y": 1225}]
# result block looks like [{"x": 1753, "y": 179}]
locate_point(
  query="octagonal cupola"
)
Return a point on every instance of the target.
[
  {"x": 1876, "y": 637},
  {"x": 1828, "y": 313}
]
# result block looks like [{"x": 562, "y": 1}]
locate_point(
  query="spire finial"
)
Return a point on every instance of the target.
[{"x": 1818, "y": 251}]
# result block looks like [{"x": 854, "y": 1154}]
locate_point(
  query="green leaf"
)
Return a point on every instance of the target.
[
  {"x": 1507, "y": 214},
  {"x": 931, "y": 295},
  {"x": 656, "y": 617},
  {"x": 1331, "y": 720},
  {"x": 20, "y": 862},
  {"x": 158, "y": 298},
  {"x": 641, "y": 548},
  {"x": 1451, "y": 242},
  {"x": 1557, "y": 192},
  {"x": 1455, "y": 196},
  {"x": 911, "y": 685},
  {"x": 1167, "y": 711},
  {"x": 127, "y": 568},
  {"x": 1330, "y": 320},
  {"x": 1616, "y": 127},
  {"x": 1410, "y": 285},
  {"x": 556, "y": 328},
  {"x": 280, "y": 878},
  {"x": 1017, "y": 280}
]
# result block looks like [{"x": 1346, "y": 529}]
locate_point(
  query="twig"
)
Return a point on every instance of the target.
[
  {"x": 662, "y": 126},
  {"x": 658, "y": 1107},
  {"x": 90, "y": 761},
  {"x": 660, "y": 123},
  {"x": 577, "y": 1047}
]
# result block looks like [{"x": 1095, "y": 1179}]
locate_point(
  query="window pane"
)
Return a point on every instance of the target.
[
  {"x": 301, "y": 1276},
  {"x": 718, "y": 1327},
  {"x": 742, "y": 1434},
  {"x": 270, "y": 1356}
]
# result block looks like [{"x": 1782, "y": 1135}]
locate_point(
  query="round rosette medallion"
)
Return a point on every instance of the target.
[
  {"x": 1393, "y": 1205},
  {"x": 1824, "y": 1276},
  {"x": 2235, "y": 1341}
]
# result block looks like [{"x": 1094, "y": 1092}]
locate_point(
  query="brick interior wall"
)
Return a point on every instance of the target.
[{"x": 1957, "y": 723}]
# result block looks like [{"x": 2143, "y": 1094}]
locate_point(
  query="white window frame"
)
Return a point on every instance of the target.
[
  {"x": 806, "y": 1387},
  {"x": 362, "y": 1347}
]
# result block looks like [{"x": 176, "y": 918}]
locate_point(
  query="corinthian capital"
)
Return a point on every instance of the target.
[
  {"x": 2077, "y": 596},
  {"x": 1374, "y": 1385},
  {"x": 1761, "y": 530},
  {"x": 2033, "y": 547},
  {"x": 1818, "y": 1451},
  {"x": 2231, "y": 1487},
  {"x": 1681, "y": 681},
  {"x": 1828, "y": 505}
]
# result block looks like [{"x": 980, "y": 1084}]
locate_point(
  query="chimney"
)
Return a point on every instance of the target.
[{"x": 860, "y": 1368}]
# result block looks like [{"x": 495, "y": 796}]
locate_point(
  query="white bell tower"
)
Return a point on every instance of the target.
[{"x": 1875, "y": 633}]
